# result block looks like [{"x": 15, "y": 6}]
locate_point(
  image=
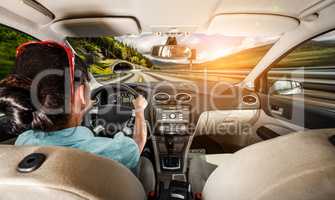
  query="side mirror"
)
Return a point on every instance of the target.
[{"x": 286, "y": 87}]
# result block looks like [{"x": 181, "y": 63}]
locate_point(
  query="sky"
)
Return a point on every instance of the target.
[
  {"x": 209, "y": 47},
  {"x": 326, "y": 37}
]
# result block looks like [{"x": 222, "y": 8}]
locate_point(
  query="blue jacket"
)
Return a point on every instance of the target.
[{"x": 121, "y": 148}]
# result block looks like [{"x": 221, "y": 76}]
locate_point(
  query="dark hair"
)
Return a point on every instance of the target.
[{"x": 15, "y": 90}]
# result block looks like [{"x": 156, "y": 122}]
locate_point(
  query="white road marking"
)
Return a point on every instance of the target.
[
  {"x": 168, "y": 78},
  {"x": 148, "y": 78},
  {"x": 135, "y": 79}
]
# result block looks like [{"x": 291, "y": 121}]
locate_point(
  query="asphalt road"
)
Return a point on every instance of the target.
[
  {"x": 145, "y": 76},
  {"x": 313, "y": 79},
  {"x": 313, "y": 90}
]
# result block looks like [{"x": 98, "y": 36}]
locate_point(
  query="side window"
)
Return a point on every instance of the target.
[
  {"x": 301, "y": 86},
  {"x": 308, "y": 70},
  {"x": 9, "y": 40}
]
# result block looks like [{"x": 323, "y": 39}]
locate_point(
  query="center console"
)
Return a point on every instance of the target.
[
  {"x": 171, "y": 139},
  {"x": 172, "y": 136}
]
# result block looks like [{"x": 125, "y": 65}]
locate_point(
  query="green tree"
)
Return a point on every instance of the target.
[
  {"x": 109, "y": 48},
  {"x": 10, "y": 39}
]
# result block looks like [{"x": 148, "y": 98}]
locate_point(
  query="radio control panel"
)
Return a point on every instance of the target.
[
  {"x": 171, "y": 114},
  {"x": 172, "y": 120}
]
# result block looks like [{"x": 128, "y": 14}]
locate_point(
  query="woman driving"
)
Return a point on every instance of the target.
[{"x": 47, "y": 95}]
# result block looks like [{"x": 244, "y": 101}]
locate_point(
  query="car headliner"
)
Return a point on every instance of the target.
[
  {"x": 153, "y": 13},
  {"x": 192, "y": 12},
  {"x": 176, "y": 13}
]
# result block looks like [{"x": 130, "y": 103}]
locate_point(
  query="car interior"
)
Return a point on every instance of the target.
[{"x": 241, "y": 98}]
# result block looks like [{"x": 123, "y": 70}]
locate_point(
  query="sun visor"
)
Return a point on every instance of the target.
[
  {"x": 30, "y": 10},
  {"x": 94, "y": 27},
  {"x": 251, "y": 24}
]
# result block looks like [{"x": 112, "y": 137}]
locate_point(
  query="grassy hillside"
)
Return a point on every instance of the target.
[
  {"x": 315, "y": 54},
  {"x": 9, "y": 40},
  {"x": 101, "y": 52}
]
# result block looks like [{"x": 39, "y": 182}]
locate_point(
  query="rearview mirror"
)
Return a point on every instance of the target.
[
  {"x": 171, "y": 52},
  {"x": 286, "y": 87}
]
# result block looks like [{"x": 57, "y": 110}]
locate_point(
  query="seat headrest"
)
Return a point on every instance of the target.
[{"x": 65, "y": 174}]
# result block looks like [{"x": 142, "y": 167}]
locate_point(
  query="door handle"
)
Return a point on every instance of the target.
[{"x": 277, "y": 110}]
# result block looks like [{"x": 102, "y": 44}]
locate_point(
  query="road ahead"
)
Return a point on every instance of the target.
[
  {"x": 316, "y": 83},
  {"x": 147, "y": 76},
  {"x": 308, "y": 77}
]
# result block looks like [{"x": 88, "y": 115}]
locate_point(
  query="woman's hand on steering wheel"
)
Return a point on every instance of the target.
[
  {"x": 140, "y": 103},
  {"x": 109, "y": 120}
]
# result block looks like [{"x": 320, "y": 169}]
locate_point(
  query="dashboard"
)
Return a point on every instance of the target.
[
  {"x": 173, "y": 112},
  {"x": 169, "y": 111},
  {"x": 118, "y": 98},
  {"x": 173, "y": 108},
  {"x": 172, "y": 120}
]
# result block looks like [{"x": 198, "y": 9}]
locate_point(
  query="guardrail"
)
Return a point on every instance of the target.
[
  {"x": 320, "y": 78},
  {"x": 210, "y": 75}
]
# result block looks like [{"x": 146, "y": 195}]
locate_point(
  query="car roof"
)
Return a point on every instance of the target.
[
  {"x": 170, "y": 12},
  {"x": 49, "y": 19},
  {"x": 151, "y": 15}
]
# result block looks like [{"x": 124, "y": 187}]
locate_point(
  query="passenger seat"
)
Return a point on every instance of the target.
[
  {"x": 292, "y": 167},
  {"x": 200, "y": 168}
]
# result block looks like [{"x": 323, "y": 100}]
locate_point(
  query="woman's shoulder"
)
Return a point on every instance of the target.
[
  {"x": 82, "y": 130},
  {"x": 62, "y": 137},
  {"x": 79, "y": 132},
  {"x": 24, "y": 137}
]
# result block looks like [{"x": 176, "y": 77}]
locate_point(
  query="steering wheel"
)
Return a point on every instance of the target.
[{"x": 110, "y": 118}]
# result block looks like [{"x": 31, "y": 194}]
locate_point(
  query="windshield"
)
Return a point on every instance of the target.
[{"x": 129, "y": 58}]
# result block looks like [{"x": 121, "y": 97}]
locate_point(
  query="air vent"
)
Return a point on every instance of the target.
[
  {"x": 183, "y": 97},
  {"x": 249, "y": 100},
  {"x": 161, "y": 97}
]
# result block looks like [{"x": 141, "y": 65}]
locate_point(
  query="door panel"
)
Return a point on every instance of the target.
[{"x": 300, "y": 112}]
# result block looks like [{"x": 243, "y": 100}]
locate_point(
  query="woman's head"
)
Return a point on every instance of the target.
[{"x": 42, "y": 72}]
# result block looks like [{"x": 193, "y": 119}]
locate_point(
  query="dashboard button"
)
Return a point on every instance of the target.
[
  {"x": 172, "y": 116},
  {"x": 161, "y": 128}
]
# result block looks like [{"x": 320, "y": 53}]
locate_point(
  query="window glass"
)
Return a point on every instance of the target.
[
  {"x": 307, "y": 71},
  {"x": 316, "y": 53},
  {"x": 132, "y": 59},
  {"x": 9, "y": 40}
]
